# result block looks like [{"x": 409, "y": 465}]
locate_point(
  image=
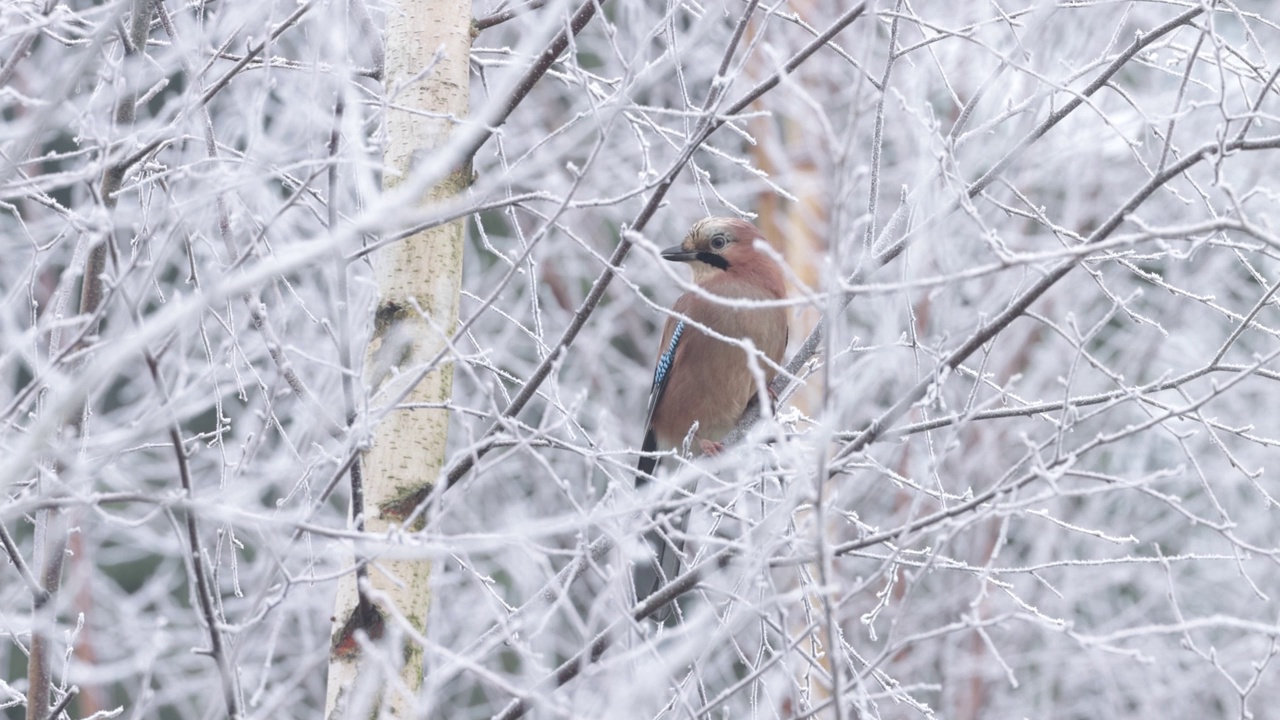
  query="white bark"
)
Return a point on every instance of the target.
[{"x": 419, "y": 280}]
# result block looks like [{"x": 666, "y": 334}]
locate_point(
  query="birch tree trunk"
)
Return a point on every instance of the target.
[{"x": 419, "y": 279}]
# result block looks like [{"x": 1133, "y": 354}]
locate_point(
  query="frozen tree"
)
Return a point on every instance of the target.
[{"x": 1018, "y": 466}]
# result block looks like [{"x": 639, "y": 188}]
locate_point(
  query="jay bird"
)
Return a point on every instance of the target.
[{"x": 701, "y": 379}]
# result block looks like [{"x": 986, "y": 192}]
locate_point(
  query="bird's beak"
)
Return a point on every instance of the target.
[{"x": 677, "y": 253}]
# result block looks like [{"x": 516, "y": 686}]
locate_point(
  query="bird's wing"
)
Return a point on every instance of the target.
[{"x": 662, "y": 371}]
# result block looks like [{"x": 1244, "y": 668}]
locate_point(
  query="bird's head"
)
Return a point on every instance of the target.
[{"x": 717, "y": 245}]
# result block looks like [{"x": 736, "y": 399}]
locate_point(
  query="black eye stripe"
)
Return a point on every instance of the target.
[{"x": 714, "y": 260}]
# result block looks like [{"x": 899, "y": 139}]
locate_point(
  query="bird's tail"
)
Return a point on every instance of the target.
[
  {"x": 667, "y": 564},
  {"x": 648, "y": 462},
  {"x": 667, "y": 549}
]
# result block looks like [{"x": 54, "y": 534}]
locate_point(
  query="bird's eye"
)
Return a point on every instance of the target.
[{"x": 718, "y": 242}]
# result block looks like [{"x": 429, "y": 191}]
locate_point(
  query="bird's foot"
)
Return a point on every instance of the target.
[{"x": 710, "y": 447}]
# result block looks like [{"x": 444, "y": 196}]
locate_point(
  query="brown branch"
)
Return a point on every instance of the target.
[
  {"x": 497, "y": 18},
  {"x": 65, "y": 701},
  {"x": 51, "y": 523},
  {"x": 39, "y": 595},
  {"x": 44, "y": 615}
]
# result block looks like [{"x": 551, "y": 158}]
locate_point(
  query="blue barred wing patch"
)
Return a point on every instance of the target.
[
  {"x": 662, "y": 372},
  {"x": 664, "y": 362}
]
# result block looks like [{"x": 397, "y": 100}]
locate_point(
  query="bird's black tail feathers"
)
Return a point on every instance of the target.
[
  {"x": 666, "y": 566},
  {"x": 667, "y": 549},
  {"x": 648, "y": 463}
]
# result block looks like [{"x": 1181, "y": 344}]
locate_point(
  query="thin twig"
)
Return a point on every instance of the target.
[
  {"x": 202, "y": 586},
  {"x": 23, "y": 46}
]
